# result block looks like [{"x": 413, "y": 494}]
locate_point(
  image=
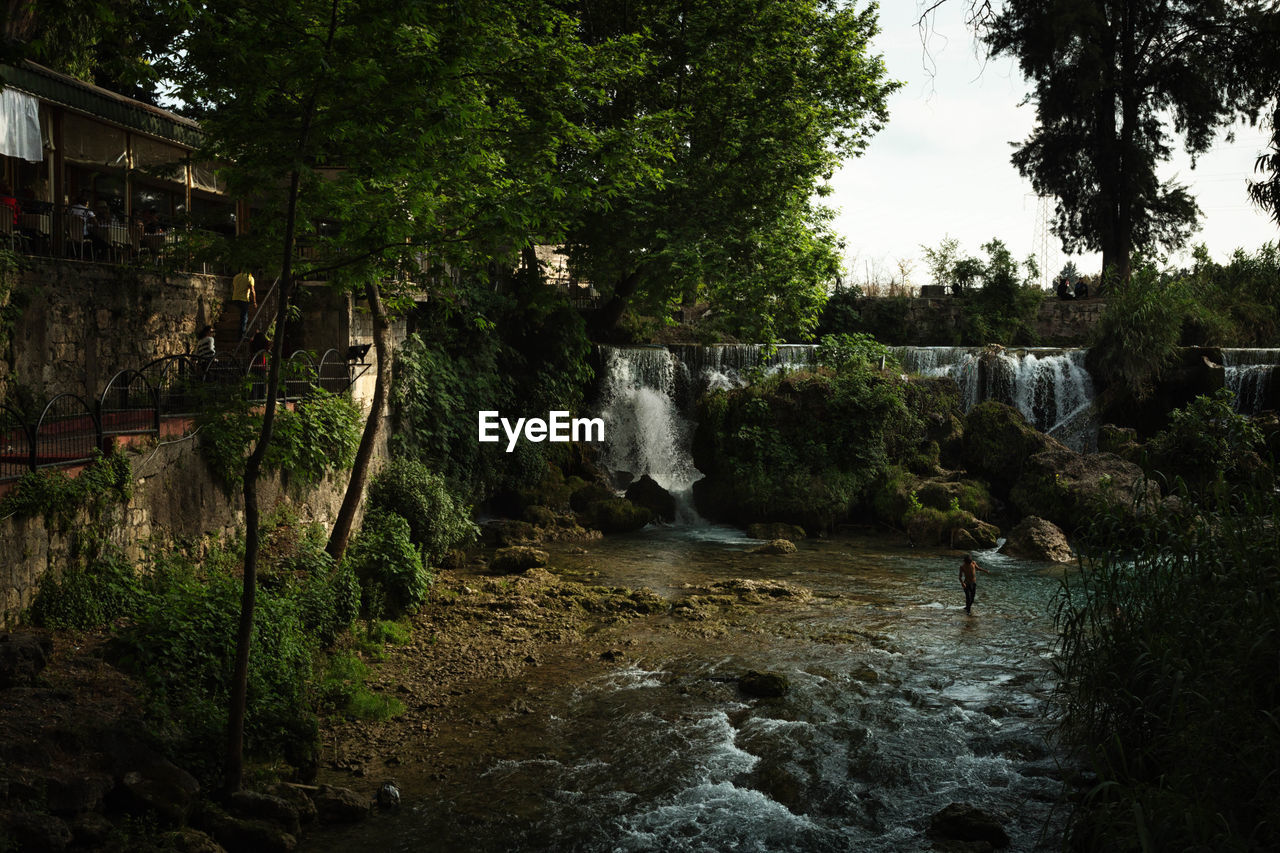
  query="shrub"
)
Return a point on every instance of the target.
[
  {"x": 91, "y": 596},
  {"x": 436, "y": 521},
  {"x": 57, "y": 497},
  {"x": 389, "y": 566},
  {"x": 1208, "y": 438},
  {"x": 1137, "y": 338}
]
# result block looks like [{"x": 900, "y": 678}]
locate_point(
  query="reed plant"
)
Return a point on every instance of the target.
[{"x": 1170, "y": 687}]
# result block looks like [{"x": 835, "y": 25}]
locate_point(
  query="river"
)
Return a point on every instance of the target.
[{"x": 899, "y": 704}]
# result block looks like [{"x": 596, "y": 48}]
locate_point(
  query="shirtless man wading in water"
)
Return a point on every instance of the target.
[{"x": 969, "y": 580}]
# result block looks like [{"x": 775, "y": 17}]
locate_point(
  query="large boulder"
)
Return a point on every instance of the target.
[
  {"x": 963, "y": 822},
  {"x": 775, "y": 546},
  {"x": 998, "y": 442},
  {"x": 22, "y": 657},
  {"x": 616, "y": 515},
  {"x": 339, "y": 805},
  {"x": 647, "y": 493},
  {"x": 1067, "y": 488},
  {"x": 158, "y": 787},
  {"x": 1037, "y": 539},
  {"x": 516, "y": 559}
]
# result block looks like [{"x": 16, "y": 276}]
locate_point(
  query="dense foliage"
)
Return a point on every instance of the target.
[
  {"x": 393, "y": 576},
  {"x": 522, "y": 355},
  {"x": 764, "y": 461},
  {"x": 437, "y": 522},
  {"x": 1169, "y": 647}
]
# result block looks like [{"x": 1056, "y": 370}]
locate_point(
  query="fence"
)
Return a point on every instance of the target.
[{"x": 69, "y": 429}]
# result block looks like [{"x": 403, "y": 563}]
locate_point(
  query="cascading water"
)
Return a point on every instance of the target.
[
  {"x": 645, "y": 429},
  {"x": 1249, "y": 374},
  {"x": 1051, "y": 387}
]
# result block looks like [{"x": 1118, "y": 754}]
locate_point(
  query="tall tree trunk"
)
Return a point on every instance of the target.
[{"x": 341, "y": 533}]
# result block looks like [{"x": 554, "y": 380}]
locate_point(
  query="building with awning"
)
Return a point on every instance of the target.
[{"x": 63, "y": 140}]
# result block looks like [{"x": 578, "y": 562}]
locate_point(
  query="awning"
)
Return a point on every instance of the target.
[{"x": 20, "y": 126}]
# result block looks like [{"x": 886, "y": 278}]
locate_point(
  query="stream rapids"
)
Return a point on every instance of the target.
[{"x": 899, "y": 704}]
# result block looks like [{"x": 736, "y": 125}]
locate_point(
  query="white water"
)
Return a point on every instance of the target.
[
  {"x": 1249, "y": 375},
  {"x": 1050, "y": 387}
]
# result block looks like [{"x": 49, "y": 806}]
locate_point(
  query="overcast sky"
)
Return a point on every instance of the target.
[{"x": 941, "y": 166}]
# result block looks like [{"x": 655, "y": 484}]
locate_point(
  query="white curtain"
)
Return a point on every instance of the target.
[{"x": 20, "y": 126}]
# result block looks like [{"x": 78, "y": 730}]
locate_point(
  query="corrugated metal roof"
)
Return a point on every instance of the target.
[{"x": 66, "y": 91}]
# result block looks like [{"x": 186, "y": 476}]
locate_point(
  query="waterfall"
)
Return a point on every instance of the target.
[
  {"x": 646, "y": 431},
  {"x": 647, "y": 396},
  {"x": 1249, "y": 374},
  {"x": 1050, "y": 387}
]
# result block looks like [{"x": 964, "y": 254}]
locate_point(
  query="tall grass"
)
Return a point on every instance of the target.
[{"x": 1170, "y": 673}]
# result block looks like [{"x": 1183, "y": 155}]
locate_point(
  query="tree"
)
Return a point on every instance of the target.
[
  {"x": 398, "y": 136},
  {"x": 1110, "y": 76},
  {"x": 755, "y": 103}
]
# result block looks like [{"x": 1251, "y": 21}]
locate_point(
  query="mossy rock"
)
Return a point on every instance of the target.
[
  {"x": 647, "y": 493},
  {"x": 516, "y": 559},
  {"x": 1122, "y": 441},
  {"x": 1068, "y": 488},
  {"x": 552, "y": 491},
  {"x": 971, "y": 495},
  {"x": 776, "y": 546},
  {"x": 540, "y": 516},
  {"x": 616, "y": 515},
  {"x": 775, "y": 530},
  {"x": 998, "y": 442},
  {"x": 589, "y": 493}
]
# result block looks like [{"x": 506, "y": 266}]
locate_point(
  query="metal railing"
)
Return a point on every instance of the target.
[{"x": 69, "y": 430}]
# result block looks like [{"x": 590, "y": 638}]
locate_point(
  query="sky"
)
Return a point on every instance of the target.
[{"x": 941, "y": 168}]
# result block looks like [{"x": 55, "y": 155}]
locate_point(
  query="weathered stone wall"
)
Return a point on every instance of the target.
[
  {"x": 940, "y": 321},
  {"x": 175, "y": 500},
  {"x": 81, "y": 323}
]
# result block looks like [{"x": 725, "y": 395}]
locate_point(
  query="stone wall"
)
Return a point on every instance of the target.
[
  {"x": 81, "y": 323},
  {"x": 940, "y": 321},
  {"x": 175, "y": 500}
]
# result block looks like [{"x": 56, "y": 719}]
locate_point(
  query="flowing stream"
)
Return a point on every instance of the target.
[{"x": 899, "y": 704}]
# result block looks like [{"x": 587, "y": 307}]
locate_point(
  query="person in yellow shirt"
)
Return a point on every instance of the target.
[{"x": 242, "y": 296}]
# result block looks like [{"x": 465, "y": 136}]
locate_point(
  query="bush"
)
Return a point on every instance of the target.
[
  {"x": 1169, "y": 646},
  {"x": 436, "y": 521},
  {"x": 89, "y": 597},
  {"x": 389, "y": 566},
  {"x": 1137, "y": 338},
  {"x": 57, "y": 497},
  {"x": 1206, "y": 439},
  {"x": 182, "y": 647}
]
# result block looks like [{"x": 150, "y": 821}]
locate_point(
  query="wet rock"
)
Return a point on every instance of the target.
[
  {"x": 1065, "y": 487},
  {"x": 516, "y": 559},
  {"x": 647, "y": 493},
  {"x": 998, "y": 441},
  {"x": 763, "y": 685},
  {"x": 978, "y": 536},
  {"x": 775, "y": 530},
  {"x": 339, "y": 805},
  {"x": 540, "y": 516},
  {"x": 589, "y": 493},
  {"x": 159, "y": 787},
  {"x": 505, "y": 532},
  {"x": 22, "y": 657},
  {"x": 1122, "y": 441},
  {"x": 777, "y": 546},
  {"x": 35, "y": 831},
  {"x": 245, "y": 835},
  {"x": 251, "y": 804},
  {"x": 964, "y": 822},
  {"x": 616, "y": 515},
  {"x": 388, "y": 796},
  {"x": 1037, "y": 539}
]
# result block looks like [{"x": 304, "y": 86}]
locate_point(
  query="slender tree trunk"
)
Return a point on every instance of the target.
[
  {"x": 252, "y": 470},
  {"x": 341, "y": 533}
]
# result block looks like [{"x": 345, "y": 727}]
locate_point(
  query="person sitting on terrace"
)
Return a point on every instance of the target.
[
  {"x": 9, "y": 200},
  {"x": 150, "y": 223},
  {"x": 1064, "y": 289},
  {"x": 205, "y": 346},
  {"x": 1082, "y": 289}
]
